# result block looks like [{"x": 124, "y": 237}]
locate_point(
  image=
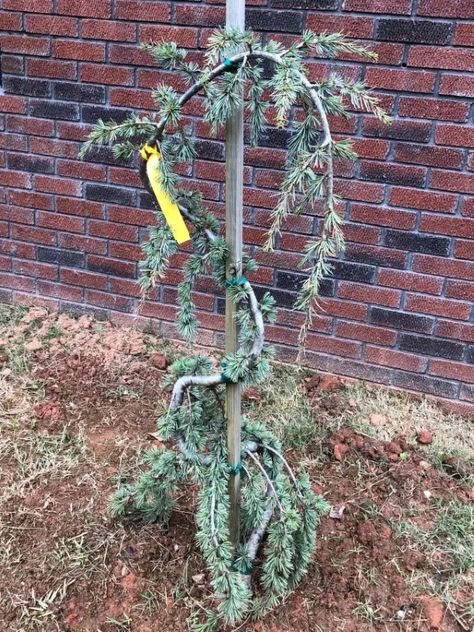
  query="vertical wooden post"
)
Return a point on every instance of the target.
[{"x": 234, "y": 221}]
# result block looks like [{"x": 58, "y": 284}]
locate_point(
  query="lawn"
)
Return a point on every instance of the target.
[{"x": 78, "y": 403}]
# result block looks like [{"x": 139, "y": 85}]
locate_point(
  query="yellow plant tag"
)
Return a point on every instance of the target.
[{"x": 168, "y": 206}]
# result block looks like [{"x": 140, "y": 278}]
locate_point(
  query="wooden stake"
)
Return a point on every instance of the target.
[{"x": 234, "y": 221}]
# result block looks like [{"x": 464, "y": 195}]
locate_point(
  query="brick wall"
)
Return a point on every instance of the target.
[{"x": 399, "y": 310}]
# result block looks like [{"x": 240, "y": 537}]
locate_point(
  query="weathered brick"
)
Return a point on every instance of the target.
[
  {"x": 400, "y": 320},
  {"x": 55, "y": 110},
  {"x": 425, "y": 384},
  {"x": 431, "y": 346},
  {"x": 392, "y": 174},
  {"x": 26, "y": 87},
  {"x": 62, "y": 257},
  {"x": 414, "y": 31},
  {"x": 104, "y": 193},
  {"x": 417, "y": 243}
]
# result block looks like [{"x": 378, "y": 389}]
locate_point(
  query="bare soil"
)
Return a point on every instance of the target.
[{"x": 80, "y": 399}]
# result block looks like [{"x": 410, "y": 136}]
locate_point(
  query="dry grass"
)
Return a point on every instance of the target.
[{"x": 85, "y": 461}]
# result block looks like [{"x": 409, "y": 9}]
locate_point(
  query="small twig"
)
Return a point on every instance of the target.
[{"x": 267, "y": 478}]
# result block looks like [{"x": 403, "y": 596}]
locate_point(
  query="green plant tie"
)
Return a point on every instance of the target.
[
  {"x": 235, "y": 471},
  {"x": 236, "y": 281},
  {"x": 230, "y": 66}
]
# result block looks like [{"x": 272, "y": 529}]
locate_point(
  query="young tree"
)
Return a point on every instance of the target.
[{"x": 277, "y": 505}]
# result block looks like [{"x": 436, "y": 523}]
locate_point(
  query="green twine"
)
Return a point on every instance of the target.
[
  {"x": 235, "y": 471},
  {"x": 230, "y": 66},
  {"x": 236, "y": 281},
  {"x": 225, "y": 378}
]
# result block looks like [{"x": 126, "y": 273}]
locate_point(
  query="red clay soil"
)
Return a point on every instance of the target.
[{"x": 359, "y": 560}]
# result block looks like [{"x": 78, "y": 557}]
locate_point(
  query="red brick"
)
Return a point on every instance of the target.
[
  {"x": 371, "y": 148},
  {"x": 442, "y": 225},
  {"x": 29, "y": 125},
  {"x": 327, "y": 344},
  {"x": 128, "y": 97},
  {"x": 460, "y": 290},
  {"x": 84, "y": 8},
  {"x": 437, "y": 109},
  {"x": 457, "y": 85},
  {"x": 122, "y": 250},
  {"x": 363, "y": 234},
  {"x": 366, "y": 333},
  {"x": 394, "y": 359},
  {"x": 33, "y": 235},
  {"x": 16, "y": 105},
  {"x": 423, "y": 200},
  {"x": 442, "y": 57},
  {"x": 464, "y": 35},
  {"x": 455, "y": 135},
  {"x": 18, "y": 282},
  {"x": 16, "y": 214},
  {"x": 83, "y": 171},
  {"x": 73, "y": 131},
  {"x": 110, "y": 301},
  {"x": 115, "y": 31},
  {"x": 60, "y": 222},
  {"x": 452, "y": 9},
  {"x": 10, "y": 21},
  {"x": 32, "y": 6},
  {"x": 464, "y": 249},
  {"x": 452, "y": 370},
  {"x": 183, "y": 36},
  {"x": 344, "y": 309},
  {"x": 57, "y": 290},
  {"x": 25, "y": 45},
  {"x": 35, "y": 269},
  {"x": 405, "y": 280},
  {"x": 53, "y": 147},
  {"x": 197, "y": 15},
  {"x": 430, "y": 156},
  {"x": 109, "y": 75},
  {"x": 31, "y": 200},
  {"x": 467, "y": 207},
  {"x": 369, "y": 294},
  {"x": 402, "y": 7},
  {"x": 451, "y": 181},
  {"x": 124, "y": 286},
  {"x": 359, "y": 191},
  {"x": 110, "y": 230},
  {"x": 83, "y": 208},
  {"x": 131, "y": 55},
  {"x": 51, "y": 25},
  {"x": 455, "y": 331},
  {"x": 437, "y": 306},
  {"x": 82, "y": 278},
  {"x": 142, "y": 11},
  {"x": 51, "y": 68},
  {"x": 443, "y": 267},
  {"x": 15, "y": 179},
  {"x": 81, "y": 51},
  {"x": 401, "y": 80},
  {"x": 84, "y": 244},
  {"x": 53, "y": 184}
]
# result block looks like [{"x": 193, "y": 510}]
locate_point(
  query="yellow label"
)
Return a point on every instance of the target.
[{"x": 168, "y": 206}]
